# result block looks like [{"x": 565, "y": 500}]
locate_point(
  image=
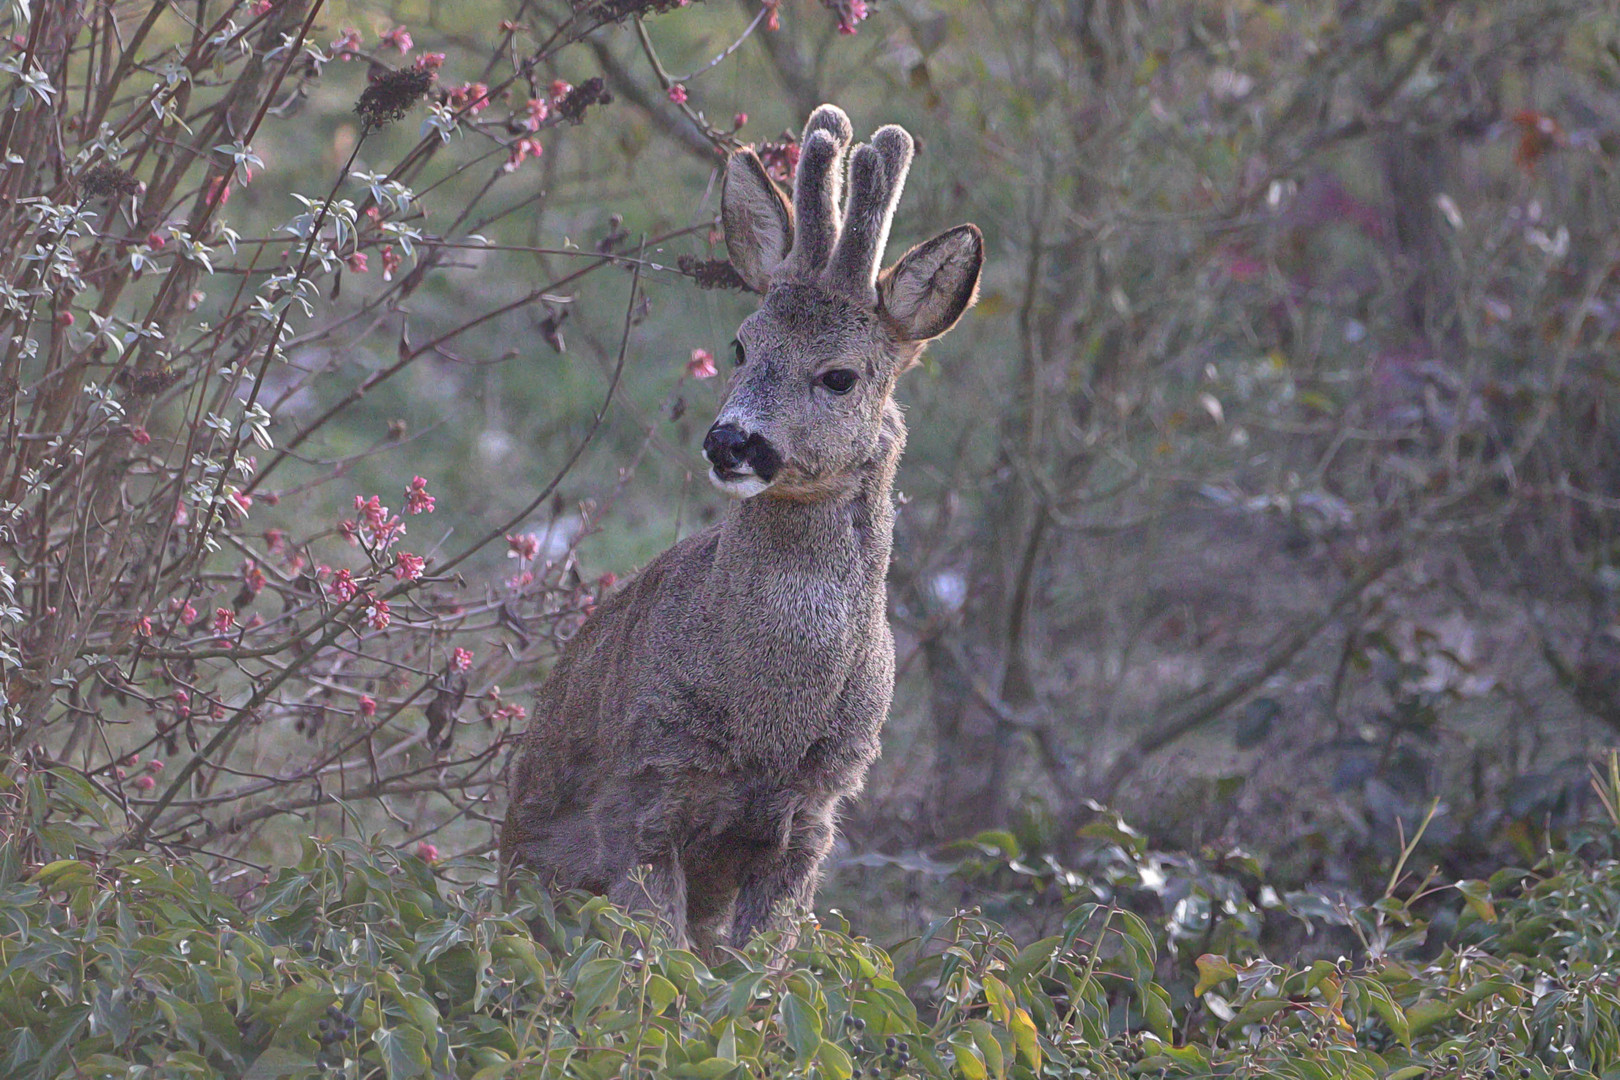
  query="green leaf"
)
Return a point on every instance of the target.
[
  {"x": 597, "y": 984},
  {"x": 968, "y": 1061},
  {"x": 1026, "y": 1039},
  {"x": 708, "y": 1069},
  {"x": 1478, "y": 896},
  {"x": 834, "y": 1062},
  {"x": 801, "y": 1023},
  {"x": 403, "y": 1050},
  {"x": 1212, "y": 971},
  {"x": 1385, "y": 1005},
  {"x": 660, "y": 993}
]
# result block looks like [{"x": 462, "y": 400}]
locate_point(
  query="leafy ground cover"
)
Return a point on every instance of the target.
[{"x": 366, "y": 961}]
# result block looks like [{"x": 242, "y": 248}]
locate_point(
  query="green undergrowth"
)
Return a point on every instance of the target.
[{"x": 363, "y": 961}]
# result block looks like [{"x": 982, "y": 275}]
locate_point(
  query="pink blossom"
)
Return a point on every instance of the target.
[
  {"x": 357, "y": 262},
  {"x": 390, "y": 262},
  {"x": 560, "y": 90},
  {"x": 64, "y": 318},
  {"x": 275, "y": 541},
  {"x": 143, "y": 626},
  {"x": 432, "y": 61},
  {"x": 417, "y": 499},
  {"x": 371, "y": 510},
  {"x": 154, "y": 765},
  {"x": 140, "y": 435},
  {"x": 346, "y": 46},
  {"x": 538, "y": 110},
  {"x": 509, "y": 712},
  {"x": 145, "y": 783},
  {"x": 607, "y": 580},
  {"x": 240, "y": 500},
  {"x": 524, "y": 546},
  {"x": 701, "y": 366},
  {"x": 677, "y": 94},
  {"x": 739, "y": 120},
  {"x": 427, "y": 852},
  {"x": 462, "y": 659},
  {"x": 219, "y": 190},
  {"x": 522, "y": 150},
  {"x": 252, "y": 578},
  {"x": 155, "y": 240},
  {"x": 399, "y": 38},
  {"x": 224, "y": 620},
  {"x": 377, "y": 614},
  {"x": 343, "y": 586},
  {"x": 472, "y": 96},
  {"x": 408, "y": 567},
  {"x": 262, "y": 7},
  {"x": 368, "y": 705},
  {"x": 521, "y": 580},
  {"x": 187, "y": 613}
]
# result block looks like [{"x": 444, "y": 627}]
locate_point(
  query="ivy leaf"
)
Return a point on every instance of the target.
[{"x": 801, "y": 1023}]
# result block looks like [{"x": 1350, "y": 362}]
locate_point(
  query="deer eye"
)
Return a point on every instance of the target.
[
  {"x": 737, "y": 353},
  {"x": 839, "y": 381}
]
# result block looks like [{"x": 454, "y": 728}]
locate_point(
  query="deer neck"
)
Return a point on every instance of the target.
[{"x": 847, "y": 535}]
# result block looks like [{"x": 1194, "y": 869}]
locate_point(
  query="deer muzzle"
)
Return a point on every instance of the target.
[{"x": 740, "y": 464}]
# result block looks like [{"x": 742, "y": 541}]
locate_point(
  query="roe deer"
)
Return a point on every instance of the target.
[{"x": 692, "y": 746}]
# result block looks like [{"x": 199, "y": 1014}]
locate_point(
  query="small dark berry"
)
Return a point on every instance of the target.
[{"x": 890, "y": 1043}]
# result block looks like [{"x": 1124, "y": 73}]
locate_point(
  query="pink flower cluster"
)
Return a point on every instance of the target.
[
  {"x": 471, "y": 96},
  {"x": 377, "y": 525},
  {"x": 417, "y": 499},
  {"x": 399, "y": 38},
  {"x": 701, "y": 366}
]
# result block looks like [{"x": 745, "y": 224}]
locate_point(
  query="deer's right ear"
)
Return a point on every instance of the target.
[{"x": 758, "y": 220}]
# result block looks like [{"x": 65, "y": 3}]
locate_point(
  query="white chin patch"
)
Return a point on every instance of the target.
[{"x": 738, "y": 487}]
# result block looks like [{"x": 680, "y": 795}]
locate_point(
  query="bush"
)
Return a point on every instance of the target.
[{"x": 365, "y": 961}]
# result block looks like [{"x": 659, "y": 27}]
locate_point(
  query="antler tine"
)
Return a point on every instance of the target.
[
  {"x": 877, "y": 176},
  {"x": 818, "y": 188}
]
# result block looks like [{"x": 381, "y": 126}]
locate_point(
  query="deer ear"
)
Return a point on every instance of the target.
[
  {"x": 933, "y": 284},
  {"x": 758, "y": 220}
]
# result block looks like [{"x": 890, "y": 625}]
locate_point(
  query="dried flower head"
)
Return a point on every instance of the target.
[
  {"x": 711, "y": 273},
  {"x": 147, "y": 383},
  {"x": 391, "y": 94},
  {"x": 592, "y": 91},
  {"x": 108, "y": 180}
]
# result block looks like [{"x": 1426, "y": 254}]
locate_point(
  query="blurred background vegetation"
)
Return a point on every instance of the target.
[{"x": 1269, "y": 495}]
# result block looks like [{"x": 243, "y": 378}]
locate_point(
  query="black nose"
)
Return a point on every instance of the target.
[{"x": 724, "y": 446}]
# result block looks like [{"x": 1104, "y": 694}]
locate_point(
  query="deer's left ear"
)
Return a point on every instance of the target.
[{"x": 933, "y": 284}]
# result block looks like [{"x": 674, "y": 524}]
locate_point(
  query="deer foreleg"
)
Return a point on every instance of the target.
[{"x": 786, "y": 879}]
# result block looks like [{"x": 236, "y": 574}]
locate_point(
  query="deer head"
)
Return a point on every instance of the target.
[{"x": 817, "y": 363}]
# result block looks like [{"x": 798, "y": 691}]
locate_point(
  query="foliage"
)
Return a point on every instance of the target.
[
  {"x": 224, "y": 596},
  {"x": 364, "y": 961}
]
